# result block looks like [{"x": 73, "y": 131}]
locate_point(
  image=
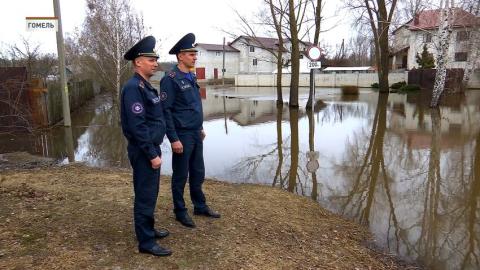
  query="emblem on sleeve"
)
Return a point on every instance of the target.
[
  {"x": 163, "y": 96},
  {"x": 137, "y": 108},
  {"x": 171, "y": 74}
]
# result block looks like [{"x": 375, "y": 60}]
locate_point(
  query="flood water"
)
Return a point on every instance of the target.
[{"x": 408, "y": 172}]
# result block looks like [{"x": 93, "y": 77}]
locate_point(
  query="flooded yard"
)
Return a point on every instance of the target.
[{"x": 409, "y": 173}]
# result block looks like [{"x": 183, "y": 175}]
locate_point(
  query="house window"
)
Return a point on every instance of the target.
[
  {"x": 254, "y": 61},
  {"x": 462, "y": 35},
  {"x": 427, "y": 37},
  {"x": 461, "y": 56},
  {"x": 301, "y": 56},
  {"x": 218, "y": 53},
  {"x": 252, "y": 49}
]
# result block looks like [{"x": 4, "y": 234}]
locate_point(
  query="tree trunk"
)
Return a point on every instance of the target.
[
  {"x": 295, "y": 55},
  {"x": 294, "y": 146},
  {"x": 278, "y": 172},
  {"x": 279, "y": 75}
]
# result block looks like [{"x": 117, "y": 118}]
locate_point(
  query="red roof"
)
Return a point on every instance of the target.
[
  {"x": 429, "y": 19},
  {"x": 216, "y": 47}
]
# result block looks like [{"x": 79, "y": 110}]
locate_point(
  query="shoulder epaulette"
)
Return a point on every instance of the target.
[
  {"x": 141, "y": 84},
  {"x": 172, "y": 74}
]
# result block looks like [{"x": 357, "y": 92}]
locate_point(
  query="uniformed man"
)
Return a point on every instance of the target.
[
  {"x": 143, "y": 125},
  {"x": 182, "y": 107}
]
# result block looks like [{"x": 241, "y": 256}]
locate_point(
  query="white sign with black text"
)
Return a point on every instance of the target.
[{"x": 314, "y": 64}]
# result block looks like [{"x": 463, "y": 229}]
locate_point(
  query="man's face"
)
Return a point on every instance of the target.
[
  {"x": 146, "y": 65},
  {"x": 188, "y": 58}
]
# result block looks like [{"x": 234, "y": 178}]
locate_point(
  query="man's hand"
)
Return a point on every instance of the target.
[
  {"x": 156, "y": 162},
  {"x": 202, "y": 133},
  {"x": 177, "y": 147}
]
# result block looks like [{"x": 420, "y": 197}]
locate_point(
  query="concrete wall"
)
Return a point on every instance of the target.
[
  {"x": 332, "y": 79},
  {"x": 323, "y": 80}
]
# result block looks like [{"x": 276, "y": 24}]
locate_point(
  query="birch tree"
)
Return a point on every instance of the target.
[
  {"x": 443, "y": 44},
  {"x": 110, "y": 28}
]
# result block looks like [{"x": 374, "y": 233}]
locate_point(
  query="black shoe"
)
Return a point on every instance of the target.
[
  {"x": 206, "y": 212},
  {"x": 156, "y": 251},
  {"x": 186, "y": 220},
  {"x": 161, "y": 233}
]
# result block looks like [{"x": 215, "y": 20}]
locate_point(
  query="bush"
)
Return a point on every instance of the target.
[
  {"x": 375, "y": 85},
  {"x": 349, "y": 90},
  {"x": 398, "y": 85},
  {"x": 409, "y": 88}
]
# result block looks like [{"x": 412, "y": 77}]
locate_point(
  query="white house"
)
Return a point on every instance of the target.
[
  {"x": 210, "y": 61},
  {"x": 410, "y": 38},
  {"x": 245, "y": 55}
]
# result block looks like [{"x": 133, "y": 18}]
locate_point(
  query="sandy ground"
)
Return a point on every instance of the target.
[{"x": 76, "y": 217}]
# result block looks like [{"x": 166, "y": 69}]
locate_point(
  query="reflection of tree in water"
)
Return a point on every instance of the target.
[
  {"x": 277, "y": 158},
  {"x": 434, "y": 216},
  {"x": 337, "y": 112},
  {"x": 104, "y": 142},
  {"x": 359, "y": 200}
]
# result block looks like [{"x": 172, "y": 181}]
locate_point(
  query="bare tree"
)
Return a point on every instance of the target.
[
  {"x": 28, "y": 54},
  {"x": 378, "y": 14},
  {"x": 274, "y": 17},
  {"x": 109, "y": 29},
  {"x": 359, "y": 50},
  {"x": 278, "y": 14}
]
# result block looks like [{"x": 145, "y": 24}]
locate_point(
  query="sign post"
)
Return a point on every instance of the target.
[{"x": 314, "y": 53}]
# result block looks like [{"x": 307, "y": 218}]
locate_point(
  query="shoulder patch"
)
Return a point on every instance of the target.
[
  {"x": 172, "y": 74},
  {"x": 137, "y": 108},
  {"x": 163, "y": 96},
  {"x": 141, "y": 84}
]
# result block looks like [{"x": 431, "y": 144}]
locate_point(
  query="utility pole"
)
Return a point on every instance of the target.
[
  {"x": 223, "y": 67},
  {"x": 61, "y": 69}
]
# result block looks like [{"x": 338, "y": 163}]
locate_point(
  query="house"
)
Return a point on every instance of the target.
[
  {"x": 210, "y": 61},
  {"x": 422, "y": 29},
  {"x": 245, "y": 55}
]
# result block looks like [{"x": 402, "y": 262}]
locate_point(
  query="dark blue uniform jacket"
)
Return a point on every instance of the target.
[
  {"x": 143, "y": 123},
  {"x": 182, "y": 104}
]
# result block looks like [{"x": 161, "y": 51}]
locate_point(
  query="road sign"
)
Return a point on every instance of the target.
[
  {"x": 314, "y": 53},
  {"x": 41, "y": 24},
  {"x": 314, "y": 64}
]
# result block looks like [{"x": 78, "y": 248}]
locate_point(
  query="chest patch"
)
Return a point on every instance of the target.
[
  {"x": 155, "y": 100},
  {"x": 141, "y": 84},
  {"x": 185, "y": 86},
  {"x": 137, "y": 108},
  {"x": 163, "y": 96}
]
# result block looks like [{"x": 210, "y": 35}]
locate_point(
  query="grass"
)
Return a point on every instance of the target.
[
  {"x": 350, "y": 90},
  {"x": 75, "y": 217}
]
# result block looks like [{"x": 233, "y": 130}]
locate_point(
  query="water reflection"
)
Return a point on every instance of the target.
[{"x": 410, "y": 173}]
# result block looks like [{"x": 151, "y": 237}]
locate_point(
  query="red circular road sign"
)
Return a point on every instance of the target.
[{"x": 314, "y": 53}]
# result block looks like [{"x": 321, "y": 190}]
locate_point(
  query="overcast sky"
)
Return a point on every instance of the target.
[{"x": 167, "y": 20}]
